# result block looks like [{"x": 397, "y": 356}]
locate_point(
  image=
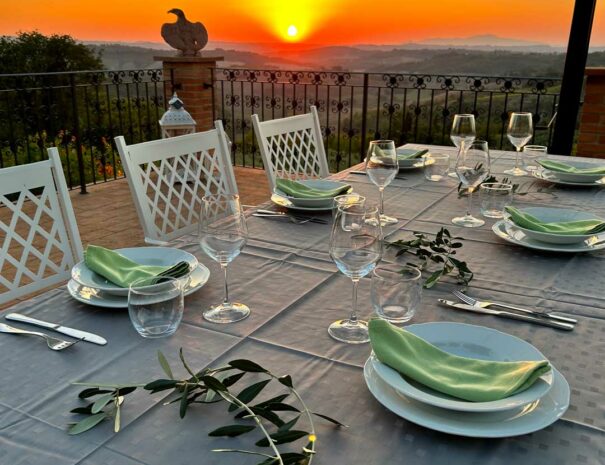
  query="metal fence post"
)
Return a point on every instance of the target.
[
  {"x": 76, "y": 130},
  {"x": 364, "y": 115}
]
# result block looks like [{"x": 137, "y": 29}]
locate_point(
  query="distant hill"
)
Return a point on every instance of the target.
[{"x": 378, "y": 59}]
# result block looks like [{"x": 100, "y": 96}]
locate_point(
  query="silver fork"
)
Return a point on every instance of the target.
[
  {"x": 52, "y": 342},
  {"x": 485, "y": 304}
]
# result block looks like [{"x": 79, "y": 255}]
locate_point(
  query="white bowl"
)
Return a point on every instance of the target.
[
  {"x": 576, "y": 177},
  {"x": 317, "y": 184},
  {"x": 409, "y": 162},
  {"x": 158, "y": 256},
  {"x": 551, "y": 215}
]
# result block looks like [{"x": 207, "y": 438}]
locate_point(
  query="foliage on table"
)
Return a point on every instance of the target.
[
  {"x": 440, "y": 251},
  {"x": 211, "y": 385}
]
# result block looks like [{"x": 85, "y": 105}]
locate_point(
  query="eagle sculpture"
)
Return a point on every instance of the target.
[{"x": 187, "y": 37}]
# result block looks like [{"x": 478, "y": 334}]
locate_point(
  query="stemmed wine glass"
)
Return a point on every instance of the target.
[
  {"x": 222, "y": 235},
  {"x": 463, "y": 133},
  {"x": 519, "y": 132},
  {"x": 381, "y": 168},
  {"x": 356, "y": 248},
  {"x": 472, "y": 168}
]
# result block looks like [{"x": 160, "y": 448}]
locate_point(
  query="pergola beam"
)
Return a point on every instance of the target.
[{"x": 573, "y": 77}]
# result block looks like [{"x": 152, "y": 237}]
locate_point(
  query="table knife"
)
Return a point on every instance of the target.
[
  {"x": 82, "y": 335},
  {"x": 511, "y": 315}
]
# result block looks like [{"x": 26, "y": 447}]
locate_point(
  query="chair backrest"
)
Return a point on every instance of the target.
[
  {"x": 292, "y": 147},
  {"x": 39, "y": 238},
  {"x": 169, "y": 177}
]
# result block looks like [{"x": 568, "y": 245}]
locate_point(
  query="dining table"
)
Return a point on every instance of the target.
[{"x": 294, "y": 291}]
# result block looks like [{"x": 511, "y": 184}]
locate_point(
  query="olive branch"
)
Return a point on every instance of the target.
[
  {"x": 208, "y": 386},
  {"x": 440, "y": 250}
]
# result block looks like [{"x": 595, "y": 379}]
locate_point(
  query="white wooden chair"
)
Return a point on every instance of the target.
[
  {"x": 169, "y": 177},
  {"x": 39, "y": 238},
  {"x": 292, "y": 147}
]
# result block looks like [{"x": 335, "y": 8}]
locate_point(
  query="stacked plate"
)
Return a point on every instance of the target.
[
  {"x": 572, "y": 243},
  {"x": 316, "y": 204},
  {"x": 90, "y": 288},
  {"x": 531, "y": 410},
  {"x": 572, "y": 179},
  {"x": 406, "y": 163}
]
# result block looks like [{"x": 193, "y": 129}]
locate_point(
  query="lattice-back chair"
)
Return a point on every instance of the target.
[
  {"x": 292, "y": 147},
  {"x": 169, "y": 177},
  {"x": 39, "y": 237}
]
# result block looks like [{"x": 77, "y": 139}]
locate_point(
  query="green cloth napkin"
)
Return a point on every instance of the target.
[
  {"x": 122, "y": 271},
  {"x": 565, "y": 228},
  {"x": 565, "y": 168},
  {"x": 301, "y": 191},
  {"x": 410, "y": 156},
  {"x": 465, "y": 378}
]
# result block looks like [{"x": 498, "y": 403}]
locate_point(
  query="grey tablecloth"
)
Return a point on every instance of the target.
[{"x": 286, "y": 277}]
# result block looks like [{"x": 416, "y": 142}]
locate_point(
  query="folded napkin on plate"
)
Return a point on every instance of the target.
[
  {"x": 301, "y": 191},
  {"x": 410, "y": 154},
  {"x": 566, "y": 228},
  {"x": 562, "y": 167},
  {"x": 122, "y": 271},
  {"x": 466, "y": 378}
]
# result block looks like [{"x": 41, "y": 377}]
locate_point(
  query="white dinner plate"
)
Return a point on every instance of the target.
[
  {"x": 158, "y": 256},
  {"x": 516, "y": 422},
  {"x": 284, "y": 202},
  {"x": 198, "y": 277},
  {"x": 409, "y": 163},
  {"x": 577, "y": 177},
  {"x": 474, "y": 342},
  {"x": 547, "y": 175},
  {"x": 315, "y": 202},
  {"x": 512, "y": 234},
  {"x": 555, "y": 215}
]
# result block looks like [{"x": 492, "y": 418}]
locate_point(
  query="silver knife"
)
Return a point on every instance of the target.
[
  {"x": 82, "y": 335},
  {"x": 511, "y": 315}
]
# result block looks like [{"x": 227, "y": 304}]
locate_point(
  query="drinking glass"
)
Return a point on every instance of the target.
[
  {"x": 463, "y": 132},
  {"x": 155, "y": 306},
  {"x": 222, "y": 235},
  {"x": 396, "y": 292},
  {"x": 472, "y": 168},
  {"x": 381, "y": 168},
  {"x": 436, "y": 166},
  {"x": 347, "y": 200},
  {"x": 519, "y": 132},
  {"x": 356, "y": 248},
  {"x": 494, "y": 196},
  {"x": 531, "y": 154}
]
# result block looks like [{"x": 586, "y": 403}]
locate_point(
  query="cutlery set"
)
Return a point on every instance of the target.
[
  {"x": 296, "y": 218},
  {"x": 52, "y": 342},
  {"x": 511, "y": 311}
]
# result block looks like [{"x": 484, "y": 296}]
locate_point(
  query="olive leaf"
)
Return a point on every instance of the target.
[
  {"x": 87, "y": 423},
  {"x": 165, "y": 365},
  {"x": 232, "y": 430},
  {"x": 249, "y": 393},
  {"x": 282, "y": 438}
]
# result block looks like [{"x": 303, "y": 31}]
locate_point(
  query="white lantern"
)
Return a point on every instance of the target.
[{"x": 176, "y": 121}]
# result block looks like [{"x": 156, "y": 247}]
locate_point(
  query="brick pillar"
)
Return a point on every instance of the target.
[
  {"x": 591, "y": 141},
  {"x": 192, "y": 82}
]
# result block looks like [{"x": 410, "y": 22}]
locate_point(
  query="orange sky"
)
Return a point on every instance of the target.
[{"x": 317, "y": 21}]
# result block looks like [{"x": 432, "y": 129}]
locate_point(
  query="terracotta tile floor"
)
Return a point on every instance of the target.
[{"x": 106, "y": 215}]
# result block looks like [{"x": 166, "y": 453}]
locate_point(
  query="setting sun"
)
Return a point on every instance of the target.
[{"x": 292, "y": 31}]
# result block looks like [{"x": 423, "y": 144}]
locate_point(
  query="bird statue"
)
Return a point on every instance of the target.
[{"x": 187, "y": 37}]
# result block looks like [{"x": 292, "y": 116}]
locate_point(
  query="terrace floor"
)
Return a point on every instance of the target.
[{"x": 106, "y": 216}]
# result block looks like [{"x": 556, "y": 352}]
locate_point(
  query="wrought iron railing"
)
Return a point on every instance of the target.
[
  {"x": 357, "y": 107},
  {"x": 79, "y": 112}
]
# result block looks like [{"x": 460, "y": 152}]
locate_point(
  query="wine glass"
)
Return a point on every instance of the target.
[
  {"x": 222, "y": 235},
  {"x": 519, "y": 132},
  {"x": 472, "y": 168},
  {"x": 356, "y": 248},
  {"x": 381, "y": 168},
  {"x": 463, "y": 132}
]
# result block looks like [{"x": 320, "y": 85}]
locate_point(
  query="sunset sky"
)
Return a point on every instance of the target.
[{"x": 314, "y": 21}]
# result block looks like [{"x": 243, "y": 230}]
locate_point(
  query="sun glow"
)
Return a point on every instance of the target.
[{"x": 292, "y": 30}]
